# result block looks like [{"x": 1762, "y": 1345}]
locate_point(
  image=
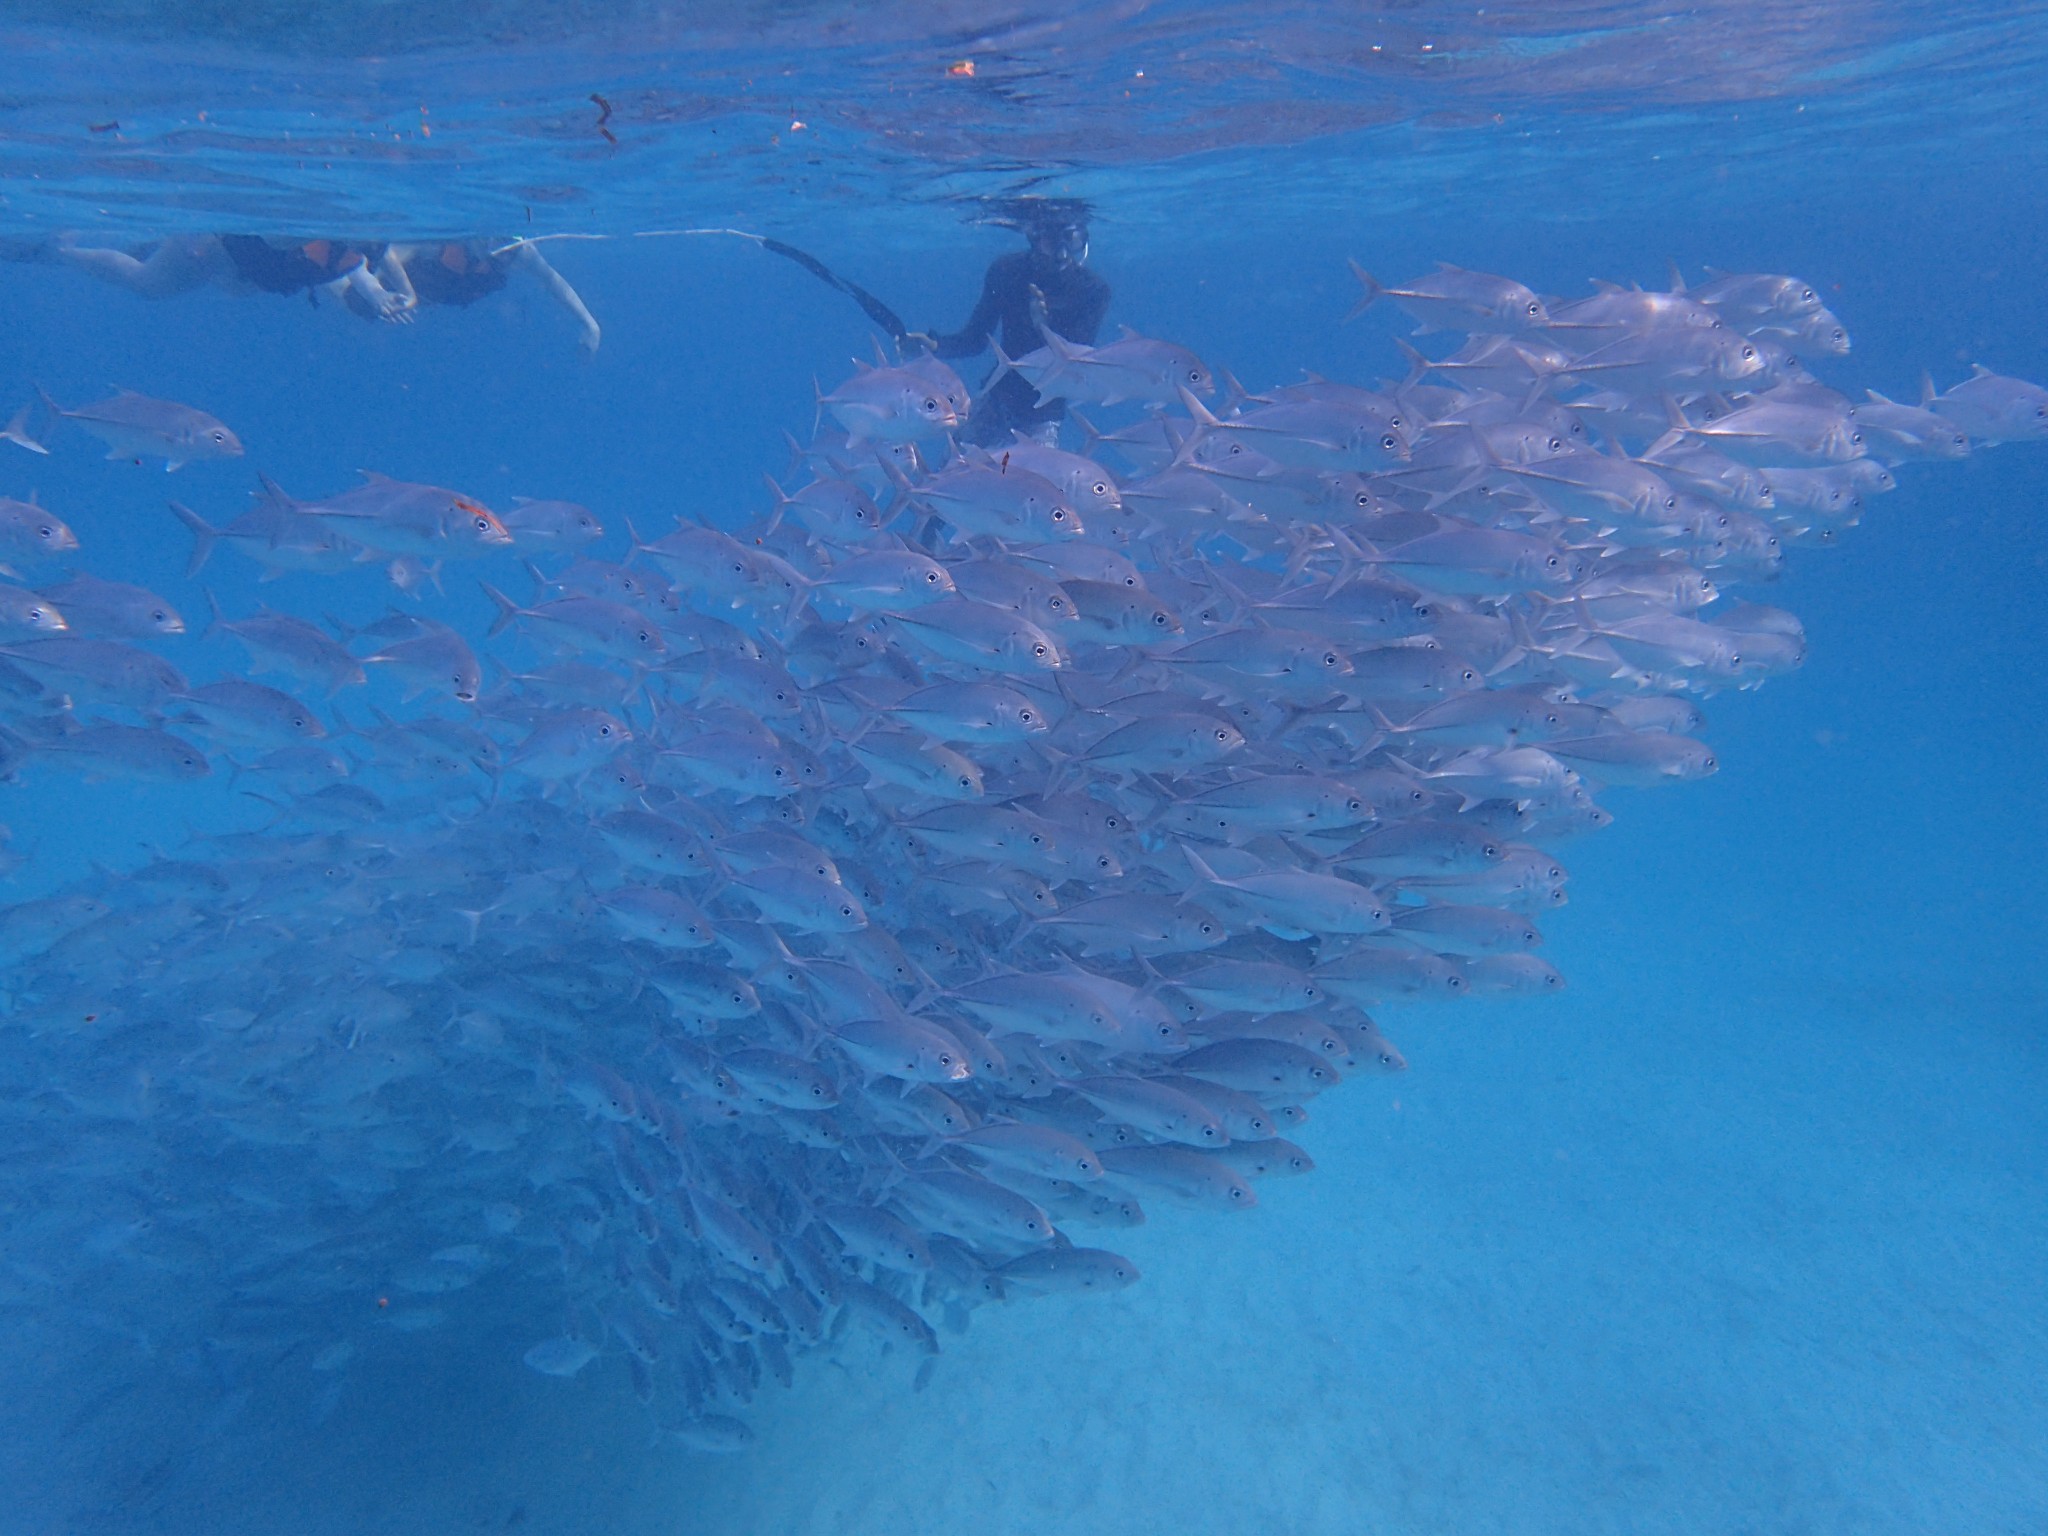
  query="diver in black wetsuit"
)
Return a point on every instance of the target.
[{"x": 1075, "y": 301}]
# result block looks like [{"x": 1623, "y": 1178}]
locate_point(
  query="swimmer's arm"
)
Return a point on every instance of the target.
[
  {"x": 384, "y": 304},
  {"x": 391, "y": 272},
  {"x": 529, "y": 255}
]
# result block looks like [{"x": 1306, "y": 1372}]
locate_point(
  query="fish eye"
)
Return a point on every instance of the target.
[
  {"x": 931, "y": 578},
  {"x": 220, "y": 437},
  {"x": 931, "y": 405},
  {"x": 1159, "y": 619},
  {"x": 1027, "y": 716},
  {"x": 1535, "y": 308},
  {"x": 46, "y": 532},
  {"x": 1100, "y": 488},
  {"x": 1855, "y": 437},
  {"x": 1194, "y": 375},
  {"x": 1556, "y": 444},
  {"x": 1059, "y": 514},
  {"x": 1469, "y": 676},
  {"x": 604, "y": 730},
  {"x": 1331, "y": 658},
  {"x": 1388, "y": 442},
  {"x": 1552, "y": 562}
]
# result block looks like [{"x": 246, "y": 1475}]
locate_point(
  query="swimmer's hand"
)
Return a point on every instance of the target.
[{"x": 396, "y": 308}]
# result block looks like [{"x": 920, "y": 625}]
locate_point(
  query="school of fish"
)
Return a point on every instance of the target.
[{"x": 844, "y": 921}]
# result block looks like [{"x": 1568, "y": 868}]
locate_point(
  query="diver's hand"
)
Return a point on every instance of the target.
[{"x": 397, "y": 308}]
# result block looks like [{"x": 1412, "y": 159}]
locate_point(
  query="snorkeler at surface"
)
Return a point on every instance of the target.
[
  {"x": 1076, "y": 299},
  {"x": 377, "y": 281},
  {"x": 460, "y": 272}
]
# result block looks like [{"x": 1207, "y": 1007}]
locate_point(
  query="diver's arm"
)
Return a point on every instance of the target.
[
  {"x": 529, "y": 255},
  {"x": 392, "y": 273},
  {"x": 972, "y": 338},
  {"x": 384, "y": 304}
]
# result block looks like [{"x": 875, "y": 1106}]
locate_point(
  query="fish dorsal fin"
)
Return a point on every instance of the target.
[
  {"x": 1128, "y": 334},
  {"x": 1601, "y": 285},
  {"x": 1979, "y": 371},
  {"x": 374, "y": 477},
  {"x": 1677, "y": 278},
  {"x": 1880, "y": 399},
  {"x": 1445, "y": 266}
]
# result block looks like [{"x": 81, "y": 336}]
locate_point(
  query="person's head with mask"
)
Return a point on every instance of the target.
[{"x": 1056, "y": 227}]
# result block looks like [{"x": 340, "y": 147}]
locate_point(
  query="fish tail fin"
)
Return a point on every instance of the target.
[
  {"x": 1090, "y": 437},
  {"x": 1198, "y": 864},
  {"x": 1005, "y": 364},
  {"x": 1234, "y": 393},
  {"x": 275, "y": 494},
  {"x": 508, "y": 611},
  {"x": 1369, "y": 284},
  {"x": 1418, "y": 367},
  {"x": 216, "y": 618},
  {"x": 1680, "y": 428},
  {"x": 1205, "y": 423},
  {"x": 796, "y": 451},
  {"x": 16, "y": 432},
  {"x": 782, "y": 501},
  {"x": 204, "y": 538}
]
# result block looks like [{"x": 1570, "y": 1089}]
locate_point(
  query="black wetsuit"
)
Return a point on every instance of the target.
[
  {"x": 293, "y": 268},
  {"x": 456, "y": 273},
  {"x": 1076, "y": 299}
]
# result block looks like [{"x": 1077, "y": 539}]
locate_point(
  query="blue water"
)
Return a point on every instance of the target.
[{"x": 1744, "y": 1232}]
